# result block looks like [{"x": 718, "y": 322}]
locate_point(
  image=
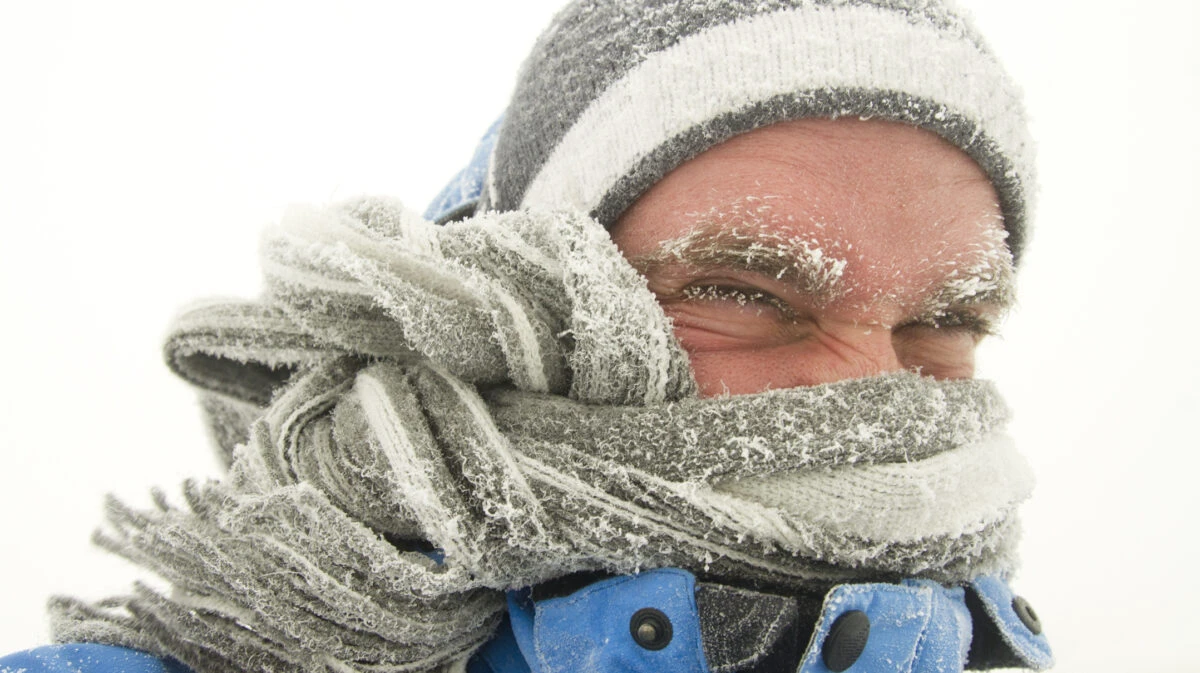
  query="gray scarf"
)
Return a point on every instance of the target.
[{"x": 508, "y": 391}]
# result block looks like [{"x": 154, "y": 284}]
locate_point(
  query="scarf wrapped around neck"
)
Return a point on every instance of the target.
[{"x": 504, "y": 395}]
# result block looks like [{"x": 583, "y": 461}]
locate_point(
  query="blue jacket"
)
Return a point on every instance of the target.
[{"x": 665, "y": 621}]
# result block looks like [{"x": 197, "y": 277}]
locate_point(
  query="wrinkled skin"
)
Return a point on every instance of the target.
[{"x": 818, "y": 250}]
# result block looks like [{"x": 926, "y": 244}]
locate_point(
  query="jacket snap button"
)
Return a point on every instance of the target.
[
  {"x": 846, "y": 640},
  {"x": 1028, "y": 617},
  {"x": 650, "y": 628}
]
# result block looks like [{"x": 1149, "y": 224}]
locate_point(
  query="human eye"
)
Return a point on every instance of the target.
[
  {"x": 737, "y": 297},
  {"x": 975, "y": 323},
  {"x": 942, "y": 345},
  {"x": 712, "y": 313}
]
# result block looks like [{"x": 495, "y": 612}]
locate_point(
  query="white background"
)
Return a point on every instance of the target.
[{"x": 143, "y": 147}]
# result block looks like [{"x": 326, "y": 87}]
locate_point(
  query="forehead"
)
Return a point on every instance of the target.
[{"x": 900, "y": 206}]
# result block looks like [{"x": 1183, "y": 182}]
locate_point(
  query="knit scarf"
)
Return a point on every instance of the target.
[{"x": 418, "y": 418}]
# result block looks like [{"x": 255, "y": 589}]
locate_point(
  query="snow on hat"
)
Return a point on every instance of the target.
[{"x": 617, "y": 93}]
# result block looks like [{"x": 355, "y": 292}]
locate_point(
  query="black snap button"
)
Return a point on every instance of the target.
[
  {"x": 846, "y": 640},
  {"x": 1028, "y": 617},
  {"x": 650, "y": 628}
]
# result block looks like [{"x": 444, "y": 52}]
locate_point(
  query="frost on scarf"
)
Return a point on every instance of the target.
[{"x": 507, "y": 391}]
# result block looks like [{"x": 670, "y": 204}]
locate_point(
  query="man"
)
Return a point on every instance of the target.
[{"x": 744, "y": 438}]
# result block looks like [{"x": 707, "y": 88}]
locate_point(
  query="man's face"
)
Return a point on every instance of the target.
[{"x": 818, "y": 250}]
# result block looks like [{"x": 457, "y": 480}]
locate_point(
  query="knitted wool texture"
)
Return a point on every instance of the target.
[
  {"x": 616, "y": 93},
  {"x": 508, "y": 390}
]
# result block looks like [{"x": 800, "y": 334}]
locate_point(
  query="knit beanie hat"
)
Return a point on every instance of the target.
[{"x": 617, "y": 93}]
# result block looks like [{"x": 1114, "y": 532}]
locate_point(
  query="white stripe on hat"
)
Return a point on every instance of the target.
[{"x": 727, "y": 67}]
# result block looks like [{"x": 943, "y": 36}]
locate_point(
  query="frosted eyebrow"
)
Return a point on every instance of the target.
[
  {"x": 988, "y": 281},
  {"x": 719, "y": 246}
]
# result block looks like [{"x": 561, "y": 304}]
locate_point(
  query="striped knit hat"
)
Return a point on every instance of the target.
[{"x": 617, "y": 93}]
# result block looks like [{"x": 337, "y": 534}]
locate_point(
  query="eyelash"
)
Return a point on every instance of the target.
[
  {"x": 968, "y": 321},
  {"x": 743, "y": 296},
  {"x": 957, "y": 320}
]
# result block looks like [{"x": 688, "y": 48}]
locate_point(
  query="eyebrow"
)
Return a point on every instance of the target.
[
  {"x": 752, "y": 249},
  {"x": 990, "y": 282}
]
